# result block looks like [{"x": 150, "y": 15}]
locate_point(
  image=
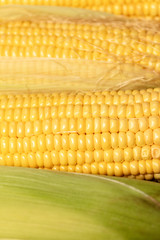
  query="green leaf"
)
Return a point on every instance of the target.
[{"x": 45, "y": 205}]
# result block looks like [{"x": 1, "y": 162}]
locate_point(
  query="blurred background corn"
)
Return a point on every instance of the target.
[
  {"x": 110, "y": 133},
  {"x": 109, "y": 43},
  {"x": 52, "y": 47},
  {"x": 132, "y": 8}
]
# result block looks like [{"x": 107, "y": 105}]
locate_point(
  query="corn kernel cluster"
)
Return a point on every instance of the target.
[
  {"x": 133, "y": 8},
  {"x": 105, "y": 42},
  {"x": 113, "y": 133}
]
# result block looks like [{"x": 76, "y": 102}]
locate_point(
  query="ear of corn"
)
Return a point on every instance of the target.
[
  {"x": 63, "y": 49},
  {"x": 113, "y": 133},
  {"x": 108, "y": 133},
  {"x": 37, "y": 204},
  {"x": 131, "y": 8}
]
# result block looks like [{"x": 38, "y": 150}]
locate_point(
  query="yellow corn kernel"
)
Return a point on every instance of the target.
[
  {"x": 110, "y": 169},
  {"x": 137, "y": 153},
  {"x": 80, "y": 157},
  {"x": 82, "y": 142},
  {"x": 157, "y": 176},
  {"x": 7, "y": 159},
  {"x": 154, "y": 106},
  {"x": 133, "y": 125},
  {"x": 114, "y": 140},
  {"x": 86, "y": 168},
  {"x": 126, "y": 168},
  {"x": 47, "y": 160},
  {"x": 94, "y": 168},
  {"x": 118, "y": 170},
  {"x": 32, "y": 160},
  {"x": 73, "y": 142},
  {"x": 142, "y": 167},
  {"x": 122, "y": 138},
  {"x": 130, "y": 112},
  {"x": 118, "y": 155},
  {"x": 56, "y": 168},
  {"x": 89, "y": 125},
  {"x": 12, "y": 129},
  {"x": 134, "y": 168},
  {"x": 106, "y": 141},
  {"x": 89, "y": 142},
  {"x": 114, "y": 125},
  {"x": 156, "y": 136},
  {"x": 154, "y": 122},
  {"x": 156, "y": 165},
  {"x": 98, "y": 156},
  {"x": 148, "y": 136},
  {"x": 24, "y": 160},
  {"x": 89, "y": 157},
  {"x": 97, "y": 141},
  {"x": 138, "y": 110},
  {"x": 63, "y": 157},
  {"x": 121, "y": 111},
  {"x": 123, "y": 125},
  {"x": 79, "y": 169},
  {"x": 143, "y": 124},
  {"x": 71, "y": 168},
  {"x": 128, "y": 154},
  {"x": 131, "y": 141},
  {"x": 140, "y": 141},
  {"x": 72, "y": 158},
  {"x": 108, "y": 155},
  {"x": 149, "y": 167},
  {"x": 112, "y": 111},
  {"x": 102, "y": 168},
  {"x": 63, "y": 168},
  {"x": 105, "y": 125},
  {"x": 155, "y": 151},
  {"x": 39, "y": 159},
  {"x": 149, "y": 176},
  {"x": 146, "y": 152}
]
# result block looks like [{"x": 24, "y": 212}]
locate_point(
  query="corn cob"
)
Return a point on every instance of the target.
[
  {"x": 131, "y": 8},
  {"x": 105, "y": 43},
  {"x": 122, "y": 52},
  {"x": 113, "y": 133}
]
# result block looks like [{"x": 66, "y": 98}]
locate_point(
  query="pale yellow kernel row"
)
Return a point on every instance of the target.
[
  {"x": 145, "y": 176},
  {"x": 90, "y": 32},
  {"x": 98, "y": 169},
  {"x": 135, "y": 8},
  {"x": 109, "y": 43},
  {"x": 137, "y": 111},
  {"x": 121, "y": 146},
  {"x": 29, "y": 34},
  {"x": 127, "y": 97},
  {"x": 53, "y": 25},
  {"x": 26, "y": 126},
  {"x": 113, "y": 55},
  {"x": 140, "y": 9},
  {"x": 46, "y": 160},
  {"x": 86, "y": 98}
]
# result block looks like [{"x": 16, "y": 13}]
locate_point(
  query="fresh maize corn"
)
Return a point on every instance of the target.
[
  {"x": 72, "y": 41},
  {"x": 133, "y": 8},
  {"x": 113, "y": 133},
  {"x": 63, "y": 48}
]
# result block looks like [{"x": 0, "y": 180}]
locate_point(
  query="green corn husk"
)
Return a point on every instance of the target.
[{"x": 40, "y": 204}]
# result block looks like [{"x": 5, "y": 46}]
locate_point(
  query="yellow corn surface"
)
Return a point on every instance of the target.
[
  {"x": 131, "y": 8},
  {"x": 111, "y": 133},
  {"x": 57, "y": 46}
]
